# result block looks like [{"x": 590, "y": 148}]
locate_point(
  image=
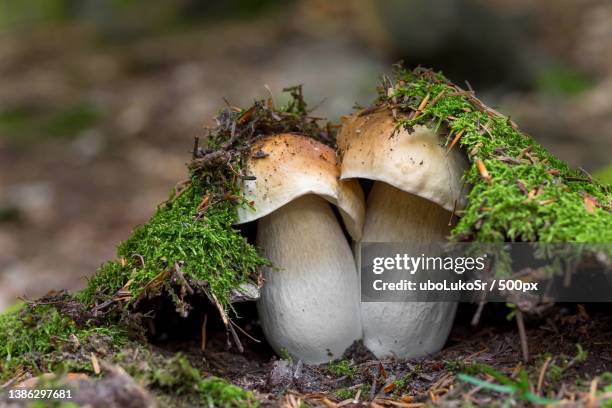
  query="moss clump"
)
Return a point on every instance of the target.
[
  {"x": 519, "y": 191},
  {"x": 34, "y": 336},
  {"x": 345, "y": 393},
  {"x": 343, "y": 368},
  {"x": 604, "y": 175},
  {"x": 38, "y": 339},
  {"x": 206, "y": 249},
  {"x": 180, "y": 377},
  {"x": 402, "y": 383},
  {"x": 218, "y": 392},
  {"x": 32, "y": 330}
]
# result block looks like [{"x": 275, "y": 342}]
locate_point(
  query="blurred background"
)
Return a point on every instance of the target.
[{"x": 99, "y": 101}]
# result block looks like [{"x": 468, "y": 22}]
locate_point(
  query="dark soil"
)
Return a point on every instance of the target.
[{"x": 555, "y": 335}]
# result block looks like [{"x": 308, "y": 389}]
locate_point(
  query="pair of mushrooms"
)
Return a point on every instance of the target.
[{"x": 310, "y": 302}]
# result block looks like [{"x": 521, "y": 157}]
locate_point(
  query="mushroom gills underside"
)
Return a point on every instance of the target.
[
  {"x": 405, "y": 329},
  {"x": 309, "y": 305}
]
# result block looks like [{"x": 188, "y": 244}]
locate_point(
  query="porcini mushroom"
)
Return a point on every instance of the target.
[
  {"x": 417, "y": 183},
  {"x": 309, "y": 304}
]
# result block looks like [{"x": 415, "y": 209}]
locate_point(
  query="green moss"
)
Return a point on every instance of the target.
[
  {"x": 498, "y": 209},
  {"x": 402, "y": 382},
  {"x": 284, "y": 355},
  {"x": 180, "y": 377},
  {"x": 218, "y": 392},
  {"x": 561, "y": 363},
  {"x": 39, "y": 339},
  {"x": 25, "y": 331},
  {"x": 345, "y": 393},
  {"x": 208, "y": 250},
  {"x": 343, "y": 368},
  {"x": 606, "y": 380},
  {"x": 193, "y": 231},
  {"x": 604, "y": 175},
  {"x": 32, "y": 334}
]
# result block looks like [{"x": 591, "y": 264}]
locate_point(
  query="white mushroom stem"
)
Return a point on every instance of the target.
[
  {"x": 309, "y": 304},
  {"x": 405, "y": 329}
]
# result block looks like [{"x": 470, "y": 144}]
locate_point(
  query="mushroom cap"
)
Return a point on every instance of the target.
[
  {"x": 373, "y": 148},
  {"x": 287, "y": 166}
]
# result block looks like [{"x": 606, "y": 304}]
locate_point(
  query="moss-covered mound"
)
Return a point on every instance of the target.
[
  {"x": 190, "y": 243},
  {"x": 519, "y": 191}
]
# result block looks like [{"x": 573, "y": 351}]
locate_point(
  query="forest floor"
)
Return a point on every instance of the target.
[
  {"x": 93, "y": 136},
  {"x": 570, "y": 360},
  {"x": 569, "y": 364}
]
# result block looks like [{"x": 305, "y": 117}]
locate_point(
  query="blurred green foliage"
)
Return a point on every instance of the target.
[
  {"x": 560, "y": 80},
  {"x": 126, "y": 17},
  {"x": 604, "y": 175},
  {"x": 28, "y": 13},
  {"x": 23, "y": 124}
]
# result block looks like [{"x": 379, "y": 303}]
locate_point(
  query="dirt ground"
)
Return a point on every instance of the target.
[{"x": 568, "y": 348}]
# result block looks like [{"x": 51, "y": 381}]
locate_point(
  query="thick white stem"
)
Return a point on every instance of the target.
[
  {"x": 309, "y": 303},
  {"x": 405, "y": 329}
]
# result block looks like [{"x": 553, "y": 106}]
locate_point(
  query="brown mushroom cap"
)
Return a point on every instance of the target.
[
  {"x": 414, "y": 162},
  {"x": 288, "y": 166}
]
